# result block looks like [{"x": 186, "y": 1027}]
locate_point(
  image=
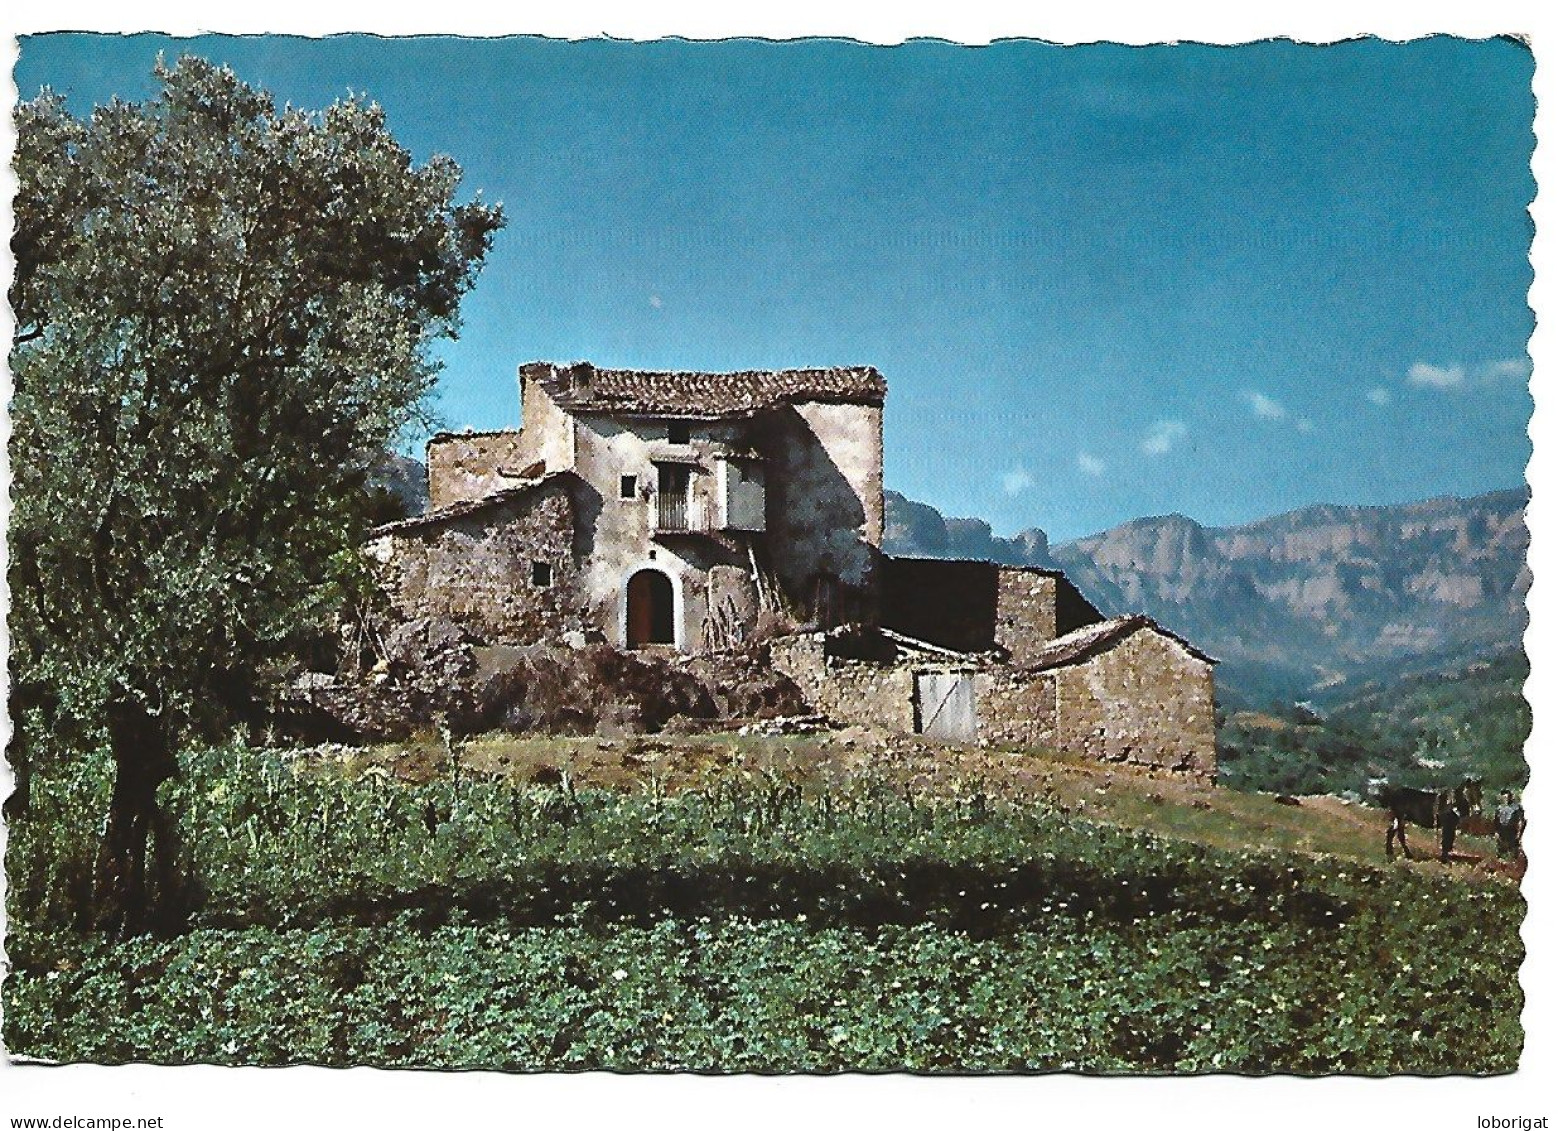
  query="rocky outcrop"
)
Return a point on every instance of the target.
[
  {"x": 916, "y": 530},
  {"x": 1302, "y": 600},
  {"x": 1327, "y": 588}
]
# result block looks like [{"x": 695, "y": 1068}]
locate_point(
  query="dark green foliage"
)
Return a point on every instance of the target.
[
  {"x": 223, "y": 316},
  {"x": 1302, "y": 756},
  {"x": 1425, "y": 731},
  {"x": 52, "y": 845},
  {"x": 471, "y": 923},
  {"x": 1161, "y": 995}
]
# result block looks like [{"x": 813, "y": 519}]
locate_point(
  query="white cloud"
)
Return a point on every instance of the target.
[
  {"x": 1379, "y": 395},
  {"x": 1092, "y": 465},
  {"x": 1164, "y": 435},
  {"x": 1267, "y": 408},
  {"x": 1436, "y": 376},
  {"x": 656, "y": 302},
  {"x": 1507, "y": 369},
  {"x": 1458, "y": 376},
  {"x": 1016, "y": 481}
]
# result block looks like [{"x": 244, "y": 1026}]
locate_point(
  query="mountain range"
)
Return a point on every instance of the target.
[{"x": 1306, "y": 605}]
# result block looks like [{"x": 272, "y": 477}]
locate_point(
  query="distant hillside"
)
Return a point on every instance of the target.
[
  {"x": 404, "y": 480},
  {"x": 1303, "y": 605},
  {"x": 1424, "y": 730}
]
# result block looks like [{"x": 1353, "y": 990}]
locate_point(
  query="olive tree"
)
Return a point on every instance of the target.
[{"x": 224, "y": 313}]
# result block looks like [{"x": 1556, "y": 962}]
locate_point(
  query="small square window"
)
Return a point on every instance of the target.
[
  {"x": 541, "y": 574},
  {"x": 679, "y": 432},
  {"x": 629, "y": 487}
]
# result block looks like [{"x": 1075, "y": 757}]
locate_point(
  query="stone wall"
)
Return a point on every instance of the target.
[
  {"x": 479, "y": 570},
  {"x": 474, "y": 465},
  {"x": 1145, "y": 700},
  {"x": 462, "y": 466},
  {"x": 825, "y": 502},
  {"x": 1015, "y": 707},
  {"x": 1025, "y": 617},
  {"x": 853, "y": 692}
]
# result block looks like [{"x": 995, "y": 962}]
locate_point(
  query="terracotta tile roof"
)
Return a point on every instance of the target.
[
  {"x": 1090, "y": 640},
  {"x": 466, "y": 506},
  {"x": 581, "y": 387}
]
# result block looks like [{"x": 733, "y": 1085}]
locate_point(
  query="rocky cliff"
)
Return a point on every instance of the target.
[
  {"x": 1300, "y": 604},
  {"x": 913, "y": 529}
]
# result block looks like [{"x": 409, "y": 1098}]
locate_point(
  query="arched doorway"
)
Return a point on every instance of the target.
[{"x": 651, "y": 609}]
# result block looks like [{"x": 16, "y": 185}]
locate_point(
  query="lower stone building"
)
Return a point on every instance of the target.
[
  {"x": 965, "y": 652},
  {"x": 1123, "y": 689},
  {"x": 504, "y": 568}
]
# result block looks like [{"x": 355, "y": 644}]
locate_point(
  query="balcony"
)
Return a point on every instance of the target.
[{"x": 680, "y": 514}]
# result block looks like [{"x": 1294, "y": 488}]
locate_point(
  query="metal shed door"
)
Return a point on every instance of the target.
[{"x": 944, "y": 705}]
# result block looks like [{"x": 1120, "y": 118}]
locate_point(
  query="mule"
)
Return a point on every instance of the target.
[{"x": 1425, "y": 808}]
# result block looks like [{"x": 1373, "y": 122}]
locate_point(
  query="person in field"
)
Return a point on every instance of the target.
[
  {"x": 1509, "y": 824},
  {"x": 1397, "y": 830},
  {"x": 1449, "y": 821}
]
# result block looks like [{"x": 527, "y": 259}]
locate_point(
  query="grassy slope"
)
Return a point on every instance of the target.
[{"x": 1158, "y": 803}]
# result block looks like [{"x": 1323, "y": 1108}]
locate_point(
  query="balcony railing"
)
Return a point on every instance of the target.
[{"x": 679, "y": 514}]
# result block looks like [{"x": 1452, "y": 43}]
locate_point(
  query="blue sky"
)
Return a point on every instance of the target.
[{"x": 1102, "y": 282}]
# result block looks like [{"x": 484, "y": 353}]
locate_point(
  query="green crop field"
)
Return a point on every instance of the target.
[{"x": 759, "y": 918}]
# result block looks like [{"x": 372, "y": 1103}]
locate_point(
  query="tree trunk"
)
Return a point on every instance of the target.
[
  {"x": 31, "y": 711},
  {"x": 19, "y": 804},
  {"x": 143, "y": 760}
]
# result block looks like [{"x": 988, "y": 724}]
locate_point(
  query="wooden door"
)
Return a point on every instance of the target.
[
  {"x": 944, "y": 706},
  {"x": 651, "y": 615}
]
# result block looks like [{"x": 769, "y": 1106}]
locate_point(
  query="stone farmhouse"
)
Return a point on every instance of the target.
[{"x": 694, "y": 512}]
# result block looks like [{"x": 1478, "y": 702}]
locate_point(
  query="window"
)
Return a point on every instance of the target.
[
  {"x": 679, "y": 432},
  {"x": 629, "y": 487},
  {"x": 674, "y": 478},
  {"x": 541, "y": 574}
]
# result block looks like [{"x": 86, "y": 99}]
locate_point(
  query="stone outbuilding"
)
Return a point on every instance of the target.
[
  {"x": 1123, "y": 689},
  {"x": 697, "y": 512},
  {"x": 503, "y": 567}
]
